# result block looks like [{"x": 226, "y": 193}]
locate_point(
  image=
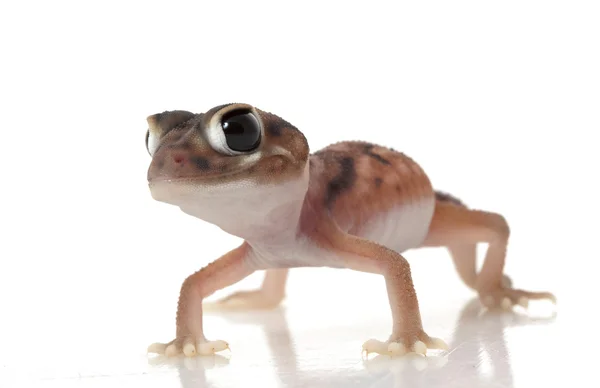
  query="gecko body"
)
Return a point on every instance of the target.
[{"x": 353, "y": 205}]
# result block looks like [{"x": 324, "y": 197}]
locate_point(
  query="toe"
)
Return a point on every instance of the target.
[
  {"x": 157, "y": 348},
  {"x": 396, "y": 349},
  {"x": 437, "y": 343},
  {"x": 172, "y": 350},
  {"x": 420, "y": 348},
  {"x": 211, "y": 347},
  {"x": 506, "y": 303},
  {"x": 189, "y": 348},
  {"x": 375, "y": 346}
]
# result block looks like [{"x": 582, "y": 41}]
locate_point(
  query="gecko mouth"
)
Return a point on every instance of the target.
[
  {"x": 218, "y": 176},
  {"x": 209, "y": 178}
]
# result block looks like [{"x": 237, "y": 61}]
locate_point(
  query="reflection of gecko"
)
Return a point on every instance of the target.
[{"x": 351, "y": 205}]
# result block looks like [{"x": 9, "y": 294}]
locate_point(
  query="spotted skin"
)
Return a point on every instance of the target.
[
  {"x": 185, "y": 152},
  {"x": 353, "y": 204},
  {"x": 346, "y": 171}
]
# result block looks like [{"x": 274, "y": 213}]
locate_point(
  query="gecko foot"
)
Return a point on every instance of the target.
[
  {"x": 245, "y": 300},
  {"x": 404, "y": 344},
  {"x": 506, "y": 298},
  {"x": 188, "y": 347}
]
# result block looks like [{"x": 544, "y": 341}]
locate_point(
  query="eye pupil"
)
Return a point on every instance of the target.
[{"x": 242, "y": 131}]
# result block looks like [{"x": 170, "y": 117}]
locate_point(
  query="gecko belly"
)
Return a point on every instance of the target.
[{"x": 400, "y": 228}]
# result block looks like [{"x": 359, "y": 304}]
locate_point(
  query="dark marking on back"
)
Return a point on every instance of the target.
[
  {"x": 341, "y": 182},
  {"x": 368, "y": 150},
  {"x": 445, "y": 197},
  {"x": 378, "y": 182},
  {"x": 202, "y": 163}
]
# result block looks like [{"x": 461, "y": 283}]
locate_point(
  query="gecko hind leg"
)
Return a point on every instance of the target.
[
  {"x": 464, "y": 257},
  {"x": 268, "y": 296},
  {"x": 460, "y": 229}
]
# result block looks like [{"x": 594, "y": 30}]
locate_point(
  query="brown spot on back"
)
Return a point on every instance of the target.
[
  {"x": 402, "y": 183},
  {"x": 368, "y": 149},
  {"x": 341, "y": 182}
]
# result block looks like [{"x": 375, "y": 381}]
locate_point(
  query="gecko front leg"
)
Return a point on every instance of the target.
[
  {"x": 366, "y": 256},
  {"x": 189, "y": 337}
]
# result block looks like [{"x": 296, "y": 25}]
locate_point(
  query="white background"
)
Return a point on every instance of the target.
[{"x": 499, "y": 102}]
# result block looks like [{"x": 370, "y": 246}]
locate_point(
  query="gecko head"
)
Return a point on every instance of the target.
[{"x": 229, "y": 149}]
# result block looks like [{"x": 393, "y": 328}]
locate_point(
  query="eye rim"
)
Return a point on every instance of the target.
[
  {"x": 215, "y": 133},
  {"x": 147, "y": 138},
  {"x": 152, "y": 141}
]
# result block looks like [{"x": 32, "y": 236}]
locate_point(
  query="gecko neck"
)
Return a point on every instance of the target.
[{"x": 263, "y": 215}]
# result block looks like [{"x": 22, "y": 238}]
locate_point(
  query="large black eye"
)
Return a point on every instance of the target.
[{"x": 242, "y": 130}]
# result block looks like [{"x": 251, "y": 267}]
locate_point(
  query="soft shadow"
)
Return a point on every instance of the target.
[
  {"x": 191, "y": 371},
  {"x": 275, "y": 327},
  {"x": 479, "y": 334}
]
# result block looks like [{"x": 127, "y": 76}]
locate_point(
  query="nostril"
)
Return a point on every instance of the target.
[{"x": 178, "y": 159}]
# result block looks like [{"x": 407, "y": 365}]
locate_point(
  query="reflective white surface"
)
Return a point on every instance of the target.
[{"x": 313, "y": 340}]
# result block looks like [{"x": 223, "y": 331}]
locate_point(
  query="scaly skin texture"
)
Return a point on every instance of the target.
[{"x": 352, "y": 205}]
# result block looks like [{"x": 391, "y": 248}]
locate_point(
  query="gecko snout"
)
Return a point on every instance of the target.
[
  {"x": 178, "y": 163},
  {"x": 178, "y": 159}
]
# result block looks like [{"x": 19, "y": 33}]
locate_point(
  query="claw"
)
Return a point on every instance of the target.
[
  {"x": 438, "y": 343},
  {"x": 375, "y": 346},
  {"x": 212, "y": 347},
  {"x": 399, "y": 348}
]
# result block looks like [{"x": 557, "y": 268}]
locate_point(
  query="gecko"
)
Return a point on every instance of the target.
[{"x": 351, "y": 205}]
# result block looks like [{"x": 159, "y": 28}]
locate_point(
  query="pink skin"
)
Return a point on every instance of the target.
[{"x": 351, "y": 205}]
